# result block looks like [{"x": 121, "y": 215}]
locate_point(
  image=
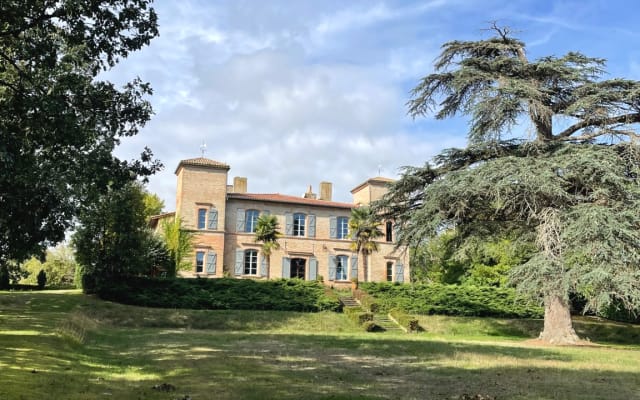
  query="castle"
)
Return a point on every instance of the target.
[{"x": 315, "y": 241}]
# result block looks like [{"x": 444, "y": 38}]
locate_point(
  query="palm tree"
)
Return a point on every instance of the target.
[
  {"x": 363, "y": 228},
  {"x": 179, "y": 242},
  {"x": 267, "y": 233}
]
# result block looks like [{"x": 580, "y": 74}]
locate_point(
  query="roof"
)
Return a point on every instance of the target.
[
  {"x": 203, "y": 162},
  {"x": 281, "y": 198},
  {"x": 155, "y": 219},
  {"x": 380, "y": 180}
]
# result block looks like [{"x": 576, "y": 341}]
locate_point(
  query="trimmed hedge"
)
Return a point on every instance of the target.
[
  {"x": 367, "y": 301},
  {"x": 405, "y": 320},
  {"x": 452, "y": 300},
  {"x": 220, "y": 294},
  {"x": 358, "y": 315}
]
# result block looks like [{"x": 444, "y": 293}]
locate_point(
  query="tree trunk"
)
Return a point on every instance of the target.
[{"x": 558, "y": 328}]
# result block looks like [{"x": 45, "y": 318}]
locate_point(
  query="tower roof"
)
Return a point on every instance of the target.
[{"x": 203, "y": 162}]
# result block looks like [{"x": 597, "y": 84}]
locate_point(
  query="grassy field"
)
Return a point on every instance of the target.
[{"x": 63, "y": 345}]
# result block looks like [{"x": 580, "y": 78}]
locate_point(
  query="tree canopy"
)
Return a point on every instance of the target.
[
  {"x": 572, "y": 188},
  {"x": 59, "y": 123}
]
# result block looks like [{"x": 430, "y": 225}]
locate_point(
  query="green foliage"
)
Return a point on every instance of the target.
[
  {"x": 458, "y": 300},
  {"x": 267, "y": 233},
  {"x": 59, "y": 265},
  {"x": 113, "y": 240},
  {"x": 367, "y": 301},
  {"x": 59, "y": 123},
  {"x": 4, "y": 276},
  {"x": 358, "y": 315},
  {"x": 405, "y": 320},
  {"x": 153, "y": 204},
  {"x": 364, "y": 230},
  {"x": 220, "y": 294},
  {"x": 42, "y": 279},
  {"x": 179, "y": 243}
]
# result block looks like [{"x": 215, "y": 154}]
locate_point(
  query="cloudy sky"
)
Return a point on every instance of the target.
[{"x": 290, "y": 93}]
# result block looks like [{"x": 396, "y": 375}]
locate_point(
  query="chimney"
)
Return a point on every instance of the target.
[
  {"x": 309, "y": 194},
  {"x": 239, "y": 184},
  {"x": 325, "y": 191}
]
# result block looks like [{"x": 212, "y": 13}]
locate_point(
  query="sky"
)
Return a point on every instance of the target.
[{"x": 291, "y": 93}]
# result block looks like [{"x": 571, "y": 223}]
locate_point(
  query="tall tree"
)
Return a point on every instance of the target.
[
  {"x": 572, "y": 187},
  {"x": 153, "y": 204},
  {"x": 59, "y": 122},
  {"x": 267, "y": 233},
  {"x": 364, "y": 230},
  {"x": 179, "y": 242}
]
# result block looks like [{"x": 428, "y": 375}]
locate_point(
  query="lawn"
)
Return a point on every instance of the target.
[{"x": 64, "y": 345}]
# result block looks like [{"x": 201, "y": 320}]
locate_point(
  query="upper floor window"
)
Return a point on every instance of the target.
[
  {"x": 342, "y": 264},
  {"x": 199, "y": 261},
  {"x": 298, "y": 224},
  {"x": 202, "y": 218},
  {"x": 389, "y": 231},
  {"x": 342, "y": 228},
  {"x": 251, "y": 219},
  {"x": 251, "y": 262}
]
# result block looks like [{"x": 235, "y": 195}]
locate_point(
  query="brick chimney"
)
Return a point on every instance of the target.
[
  {"x": 239, "y": 184},
  {"x": 326, "y": 189}
]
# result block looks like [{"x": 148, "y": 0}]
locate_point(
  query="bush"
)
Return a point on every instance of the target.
[
  {"x": 371, "y": 326},
  {"x": 452, "y": 300},
  {"x": 367, "y": 301},
  {"x": 42, "y": 279},
  {"x": 218, "y": 294},
  {"x": 358, "y": 315},
  {"x": 409, "y": 323}
]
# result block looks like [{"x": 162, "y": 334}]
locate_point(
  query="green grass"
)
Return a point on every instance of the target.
[{"x": 63, "y": 345}]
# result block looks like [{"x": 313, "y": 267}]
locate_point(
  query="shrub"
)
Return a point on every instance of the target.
[
  {"x": 452, "y": 300},
  {"x": 371, "y": 326},
  {"x": 224, "y": 293},
  {"x": 42, "y": 279},
  {"x": 358, "y": 315},
  {"x": 367, "y": 301}
]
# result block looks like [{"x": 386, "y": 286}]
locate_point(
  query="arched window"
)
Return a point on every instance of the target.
[
  {"x": 251, "y": 262},
  {"x": 298, "y": 224},
  {"x": 251, "y": 219}
]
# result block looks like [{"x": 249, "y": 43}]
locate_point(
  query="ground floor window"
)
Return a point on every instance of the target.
[
  {"x": 251, "y": 262},
  {"x": 298, "y": 267},
  {"x": 342, "y": 265},
  {"x": 389, "y": 271},
  {"x": 199, "y": 261}
]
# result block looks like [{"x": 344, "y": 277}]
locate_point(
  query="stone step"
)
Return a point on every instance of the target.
[{"x": 349, "y": 302}]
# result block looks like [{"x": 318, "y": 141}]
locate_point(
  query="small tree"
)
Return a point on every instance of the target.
[
  {"x": 179, "y": 242},
  {"x": 364, "y": 230},
  {"x": 267, "y": 233},
  {"x": 42, "y": 279}
]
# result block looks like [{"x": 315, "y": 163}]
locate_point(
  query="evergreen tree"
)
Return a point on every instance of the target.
[{"x": 572, "y": 188}]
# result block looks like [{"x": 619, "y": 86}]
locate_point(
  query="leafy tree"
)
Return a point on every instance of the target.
[
  {"x": 59, "y": 265},
  {"x": 113, "y": 239},
  {"x": 59, "y": 122},
  {"x": 42, "y": 279},
  {"x": 363, "y": 228},
  {"x": 572, "y": 186},
  {"x": 267, "y": 233},
  {"x": 179, "y": 243},
  {"x": 153, "y": 204}
]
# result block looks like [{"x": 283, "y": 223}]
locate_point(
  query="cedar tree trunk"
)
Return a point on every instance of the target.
[{"x": 558, "y": 328}]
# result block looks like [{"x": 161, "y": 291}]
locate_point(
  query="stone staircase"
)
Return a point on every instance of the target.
[
  {"x": 349, "y": 302},
  {"x": 382, "y": 320}
]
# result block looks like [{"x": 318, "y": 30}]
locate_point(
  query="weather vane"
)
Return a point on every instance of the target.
[{"x": 203, "y": 148}]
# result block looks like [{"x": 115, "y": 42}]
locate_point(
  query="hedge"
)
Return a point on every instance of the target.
[
  {"x": 457, "y": 300},
  {"x": 220, "y": 294},
  {"x": 408, "y": 322}
]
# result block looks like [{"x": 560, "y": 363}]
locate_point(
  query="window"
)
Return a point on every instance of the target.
[
  {"x": 251, "y": 219},
  {"x": 298, "y": 224},
  {"x": 389, "y": 231},
  {"x": 202, "y": 218},
  {"x": 342, "y": 264},
  {"x": 343, "y": 228},
  {"x": 389, "y": 271},
  {"x": 251, "y": 262},
  {"x": 199, "y": 261}
]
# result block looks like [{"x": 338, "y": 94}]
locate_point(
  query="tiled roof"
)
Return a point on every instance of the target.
[
  {"x": 203, "y": 162},
  {"x": 281, "y": 198},
  {"x": 377, "y": 179}
]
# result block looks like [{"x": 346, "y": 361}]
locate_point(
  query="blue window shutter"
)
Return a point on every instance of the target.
[
  {"x": 288, "y": 224},
  {"x": 213, "y": 219},
  {"x": 286, "y": 267},
  {"x": 354, "y": 267},
  {"x": 332, "y": 268},
  {"x": 313, "y": 269},
  {"x": 399, "y": 272},
  {"x": 263, "y": 265},
  {"x": 212, "y": 258},
  {"x": 239, "y": 262},
  {"x": 312, "y": 225},
  {"x": 333, "y": 227},
  {"x": 240, "y": 220}
]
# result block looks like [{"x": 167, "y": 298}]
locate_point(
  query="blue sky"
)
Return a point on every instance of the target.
[{"x": 291, "y": 93}]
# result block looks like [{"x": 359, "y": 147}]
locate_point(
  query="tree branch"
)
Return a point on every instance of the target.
[{"x": 620, "y": 119}]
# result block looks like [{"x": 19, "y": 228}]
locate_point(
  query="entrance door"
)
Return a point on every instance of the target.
[{"x": 298, "y": 266}]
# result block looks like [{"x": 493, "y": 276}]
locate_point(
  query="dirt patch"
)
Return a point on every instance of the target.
[{"x": 543, "y": 343}]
